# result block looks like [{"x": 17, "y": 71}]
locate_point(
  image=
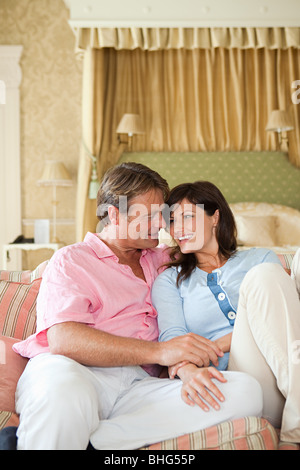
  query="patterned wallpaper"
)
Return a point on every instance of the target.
[{"x": 50, "y": 97}]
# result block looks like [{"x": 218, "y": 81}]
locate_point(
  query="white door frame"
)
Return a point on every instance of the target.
[{"x": 10, "y": 166}]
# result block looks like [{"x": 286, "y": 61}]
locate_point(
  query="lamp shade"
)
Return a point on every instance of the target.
[
  {"x": 130, "y": 124},
  {"x": 280, "y": 121},
  {"x": 55, "y": 174}
]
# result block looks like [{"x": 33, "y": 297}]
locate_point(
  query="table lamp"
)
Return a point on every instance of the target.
[
  {"x": 55, "y": 174},
  {"x": 280, "y": 121}
]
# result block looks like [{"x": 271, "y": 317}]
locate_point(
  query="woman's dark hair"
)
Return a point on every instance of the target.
[{"x": 207, "y": 194}]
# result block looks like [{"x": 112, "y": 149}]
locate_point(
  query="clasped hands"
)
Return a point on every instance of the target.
[{"x": 198, "y": 388}]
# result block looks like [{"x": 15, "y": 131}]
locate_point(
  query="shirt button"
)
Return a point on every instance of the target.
[
  {"x": 231, "y": 315},
  {"x": 221, "y": 296}
]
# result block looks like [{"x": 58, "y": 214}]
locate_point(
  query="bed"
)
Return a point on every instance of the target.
[{"x": 262, "y": 188}]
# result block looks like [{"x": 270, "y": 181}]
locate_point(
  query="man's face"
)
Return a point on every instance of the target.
[{"x": 141, "y": 224}]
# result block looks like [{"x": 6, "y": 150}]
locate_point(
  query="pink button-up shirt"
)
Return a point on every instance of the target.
[{"x": 85, "y": 283}]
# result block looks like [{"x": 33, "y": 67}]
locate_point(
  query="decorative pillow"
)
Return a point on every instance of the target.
[
  {"x": 11, "y": 368},
  {"x": 26, "y": 277},
  {"x": 256, "y": 230},
  {"x": 287, "y": 223},
  {"x": 18, "y": 293},
  {"x": 18, "y": 308}
]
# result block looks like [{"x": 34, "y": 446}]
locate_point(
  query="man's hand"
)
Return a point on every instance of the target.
[{"x": 191, "y": 348}]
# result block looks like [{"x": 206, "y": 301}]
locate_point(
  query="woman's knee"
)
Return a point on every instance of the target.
[
  {"x": 262, "y": 281},
  {"x": 264, "y": 274}
]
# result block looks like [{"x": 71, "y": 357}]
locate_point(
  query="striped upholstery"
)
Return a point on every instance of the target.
[
  {"x": 288, "y": 446},
  {"x": 24, "y": 276},
  {"x": 19, "y": 301},
  {"x": 18, "y": 293},
  {"x": 249, "y": 433},
  {"x": 7, "y": 418},
  {"x": 286, "y": 261}
]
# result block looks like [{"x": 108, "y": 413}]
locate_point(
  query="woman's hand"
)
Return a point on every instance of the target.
[
  {"x": 198, "y": 387},
  {"x": 224, "y": 343}
]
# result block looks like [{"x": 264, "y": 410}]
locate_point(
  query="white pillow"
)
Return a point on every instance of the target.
[
  {"x": 287, "y": 223},
  {"x": 256, "y": 230}
]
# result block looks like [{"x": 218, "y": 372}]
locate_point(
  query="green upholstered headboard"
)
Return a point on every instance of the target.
[{"x": 241, "y": 176}]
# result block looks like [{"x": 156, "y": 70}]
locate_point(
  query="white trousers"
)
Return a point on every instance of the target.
[
  {"x": 266, "y": 342},
  {"x": 64, "y": 405}
]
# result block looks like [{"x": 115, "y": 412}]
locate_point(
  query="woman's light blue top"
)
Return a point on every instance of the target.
[{"x": 205, "y": 304}]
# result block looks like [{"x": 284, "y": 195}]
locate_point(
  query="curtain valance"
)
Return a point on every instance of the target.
[{"x": 154, "y": 39}]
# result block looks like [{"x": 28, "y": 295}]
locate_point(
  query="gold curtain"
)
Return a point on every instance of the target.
[
  {"x": 189, "y": 99},
  {"x": 98, "y": 132},
  {"x": 154, "y": 39}
]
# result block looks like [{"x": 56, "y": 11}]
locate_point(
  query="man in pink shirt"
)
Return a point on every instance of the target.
[{"x": 95, "y": 360}]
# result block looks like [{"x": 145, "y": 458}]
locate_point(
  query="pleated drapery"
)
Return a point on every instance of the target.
[
  {"x": 154, "y": 39},
  {"x": 194, "y": 99}
]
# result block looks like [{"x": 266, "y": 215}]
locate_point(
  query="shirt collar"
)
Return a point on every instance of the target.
[{"x": 98, "y": 246}]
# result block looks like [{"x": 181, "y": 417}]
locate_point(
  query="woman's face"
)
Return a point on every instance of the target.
[{"x": 192, "y": 229}]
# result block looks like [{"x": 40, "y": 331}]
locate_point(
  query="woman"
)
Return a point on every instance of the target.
[{"x": 242, "y": 300}]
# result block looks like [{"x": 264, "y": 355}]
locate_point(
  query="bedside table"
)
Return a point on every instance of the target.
[{"x": 27, "y": 247}]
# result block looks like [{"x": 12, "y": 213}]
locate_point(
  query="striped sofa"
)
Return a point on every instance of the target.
[{"x": 18, "y": 293}]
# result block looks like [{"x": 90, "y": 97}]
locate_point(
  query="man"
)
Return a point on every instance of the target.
[{"x": 95, "y": 361}]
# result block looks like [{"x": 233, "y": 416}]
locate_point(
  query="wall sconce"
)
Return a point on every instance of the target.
[
  {"x": 130, "y": 124},
  {"x": 280, "y": 121},
  {"x": 55, "y": 174}
]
